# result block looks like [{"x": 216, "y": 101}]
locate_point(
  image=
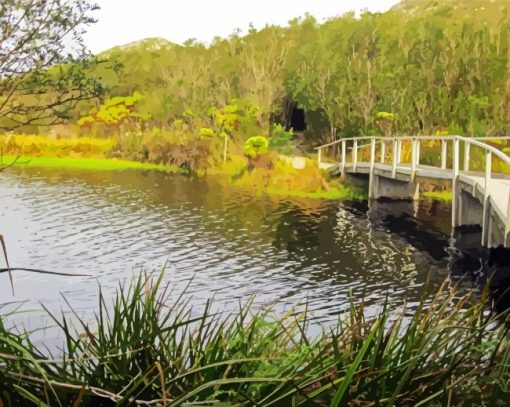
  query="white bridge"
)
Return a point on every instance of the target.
[{"x": 477, "y": 172}]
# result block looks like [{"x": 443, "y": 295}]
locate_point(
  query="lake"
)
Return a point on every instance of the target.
[{"x": 226, "y": 244}]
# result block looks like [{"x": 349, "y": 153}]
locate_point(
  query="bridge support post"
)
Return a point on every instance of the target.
[
  {"x": 355, "y": 155},
  {"x": 418, "y": 145},
  {"x": 444, "y": 150},
  {"x": 455, "y": 184},
  {"x": 507, "y": 226},
  {"x": 382, "y": 187},
  {"x": 394, "y": 159},
  {"x": 471, "y": 209},
  {"x": 486, "y": 222},
  {"x": 414, "y": 155},
  {"x": 467, "y": 147},
  {"x": 371, "y": 175},
  {"x": 486, "y": 219},
  {"x": 344, "y": 155}
]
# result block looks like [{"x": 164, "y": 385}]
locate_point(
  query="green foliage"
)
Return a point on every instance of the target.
[
  {"x": 32, "y": 145},
  {"x": 206, "y": 132},
  {"x": 256, "y": 146},
  {"x": 385, "y": 115},
  {"x": 117, "y": 110},
  {"x": 94, "y": 164},
  {"x": 432, "y": 65},
  {"x": 421, "y": 67},
  {"x": 177, "y": 146},
  {"x": 41, "y": 81},
  {"x": 280, "y": 138},
  {"x": 188, "y": 113},
  {"x": 230, "y": 119},
  {"x": 148, "y": 349},
  {"x": 384, "y": 121},
  {"x": 446, "y": 196}
]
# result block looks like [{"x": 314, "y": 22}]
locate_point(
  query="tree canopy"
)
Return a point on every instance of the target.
[{"x": 43, "y": 60}]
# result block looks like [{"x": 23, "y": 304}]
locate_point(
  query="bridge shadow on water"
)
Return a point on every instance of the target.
[
  {"x": 473, "y": 266},
  {"x": 469, "y": 264},
  {"x": 416, "y": 222}
]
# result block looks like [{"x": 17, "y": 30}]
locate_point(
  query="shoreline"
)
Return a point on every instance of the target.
[
  {"x": 113, "y": 164},
  {"x": 336, "y": 193}
]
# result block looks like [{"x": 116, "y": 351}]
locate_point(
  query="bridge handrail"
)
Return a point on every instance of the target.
[
  {"x": 470, "y": 140},
  {"x": 492, "y": 138},
  {"x": 346, "y": 139},
  {"x": 487, "y": 147}
]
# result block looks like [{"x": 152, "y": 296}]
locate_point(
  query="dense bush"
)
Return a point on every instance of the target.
[{"x": 176, "y": 146}]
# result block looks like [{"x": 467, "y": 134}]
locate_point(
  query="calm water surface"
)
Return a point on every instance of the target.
[{"x": 230, "y": 244}]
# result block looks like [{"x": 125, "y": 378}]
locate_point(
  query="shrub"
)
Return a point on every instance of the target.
[
  {"x": 206, "y": 132},
  {"x": 256, "y": 146},
  {"x": 281, "y": 139},
  {"x": 175, "y": 146},
  {"x": 385, "y": 115}
]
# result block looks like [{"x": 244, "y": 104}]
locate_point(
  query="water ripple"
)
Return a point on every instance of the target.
[{"x": 232, "y": 245}]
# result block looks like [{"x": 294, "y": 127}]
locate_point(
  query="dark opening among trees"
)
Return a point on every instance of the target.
[{"x": 297, "y": 120}]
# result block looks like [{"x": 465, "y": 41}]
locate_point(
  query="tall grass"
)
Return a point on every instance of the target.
[
  {"x": 46, "y": 146},
  {"x": 147, "y": 350}
]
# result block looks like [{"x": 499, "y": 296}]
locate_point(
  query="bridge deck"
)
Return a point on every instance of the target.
[{"x": 472, "y": 181}]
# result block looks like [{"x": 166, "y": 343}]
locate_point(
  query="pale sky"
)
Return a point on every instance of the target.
[{"x": 124, "y": 21}]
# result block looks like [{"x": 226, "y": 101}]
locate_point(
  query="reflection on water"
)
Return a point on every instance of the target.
[
  {"x": 231, "y": 244},
  {"x": 474, "y": 267}
]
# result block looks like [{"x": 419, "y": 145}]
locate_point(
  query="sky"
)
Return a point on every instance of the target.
[{"x": 124, "y": 21}]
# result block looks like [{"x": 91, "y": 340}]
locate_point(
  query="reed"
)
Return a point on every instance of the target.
[{"x": 149, "y": 348}]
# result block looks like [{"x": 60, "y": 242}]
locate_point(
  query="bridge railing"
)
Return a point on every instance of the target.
[
  {"x": 355, "y": 146},
  {"x": 460, "y": 163}
]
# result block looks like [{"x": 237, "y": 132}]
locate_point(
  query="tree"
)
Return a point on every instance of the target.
[
  {"x": 263, "y": 68},
  {"x": 229, "y": 119},
  {"x": 116, "y": 112},
  {"x": 43, "y": 60},
  {"x": 317, "y": 80}
]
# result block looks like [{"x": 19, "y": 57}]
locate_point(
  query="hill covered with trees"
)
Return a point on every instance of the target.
[{"x": 435, "y": 65}]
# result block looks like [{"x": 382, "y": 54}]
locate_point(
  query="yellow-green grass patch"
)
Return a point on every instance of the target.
[
  {"x": 99, "y": 164},
  {"x": 445, "y": 196}
]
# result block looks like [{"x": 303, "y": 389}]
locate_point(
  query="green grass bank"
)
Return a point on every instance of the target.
[{"x": 80, "y": 163}]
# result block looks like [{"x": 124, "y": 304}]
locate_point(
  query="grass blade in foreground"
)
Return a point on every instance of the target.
[{"x": 146, "y": 350}]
